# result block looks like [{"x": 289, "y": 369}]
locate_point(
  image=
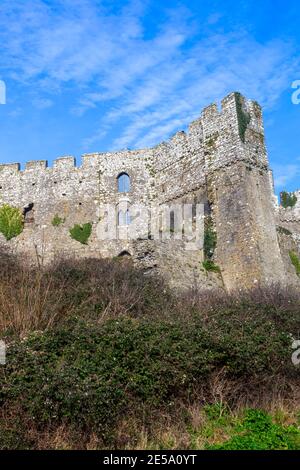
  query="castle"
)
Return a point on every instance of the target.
[{"x": 220, "y": 163}]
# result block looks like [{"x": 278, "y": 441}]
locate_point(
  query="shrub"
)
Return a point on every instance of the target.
[
  {"x": 57, "y": 221},
  {"x": 88, "y": 373},
  {"x": 288, "y": 199},
  {"x": 11, "y": 221},
  {"x": 81, "y": 233},
  {"x": 92, "y": 343}
]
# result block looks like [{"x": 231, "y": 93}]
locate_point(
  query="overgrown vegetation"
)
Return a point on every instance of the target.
[
  {"x": 11, "y": 221},
  {"x": 288, "y": 199},
  {"x": 57, "y": 221},
  {"x": 295, "y": 261},
  {"x": 81, "y": 233},
  {"x": 100, "y": 356},
  {"x": 210, "y": 243},
  {"x": 244, "y": 117},
  {"x": 256, "y": 430},
  {"x": 210, "y": 266},
  {"x": 210, "y": 238}
]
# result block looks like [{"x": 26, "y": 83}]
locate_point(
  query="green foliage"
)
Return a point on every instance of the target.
[
  {"x": 101, "y": 356},
  {"x": 81, "y": 233},
  {"x": 210, "y": 266},
  {"x": 288, "y": 199},
  {"x": 210, "y": 238},
  {"x": 257, "y": 431},
  {"x": 57, "y": 221},
  {"x": 244, "y": 118},
  {"x": 11, "y": 221},
  {"x": 295, "y": 261},
  {"x": 12, "y": 438},
  {"x": 89, "y": 374}
]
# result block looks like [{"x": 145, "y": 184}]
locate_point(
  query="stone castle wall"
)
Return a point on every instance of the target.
[{"x": 221, "y": 163}]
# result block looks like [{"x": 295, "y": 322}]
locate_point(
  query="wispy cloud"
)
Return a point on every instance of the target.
[
  {"x": 285, "y": 174},
  {"x": 151, "y": 84}
]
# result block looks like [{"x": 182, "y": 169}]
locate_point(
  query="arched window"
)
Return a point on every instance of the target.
[
  {"x": 124, "y": 218},
  {"x": 127, "y": 217},
  {"x": 172, "y": 222},
  {"x": 121, "y": 218},
  {"x": 124, "y": 254},
  {"x": 123, "y": 183}
]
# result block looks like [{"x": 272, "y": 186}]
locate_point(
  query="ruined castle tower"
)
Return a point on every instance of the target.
[{"x": 220, "y": 164}]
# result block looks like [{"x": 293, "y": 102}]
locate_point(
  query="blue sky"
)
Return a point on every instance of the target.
[{"x": 88, "y": 75}]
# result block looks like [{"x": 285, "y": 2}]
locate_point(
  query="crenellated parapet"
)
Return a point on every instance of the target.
[{"x": 220, "y": 161}]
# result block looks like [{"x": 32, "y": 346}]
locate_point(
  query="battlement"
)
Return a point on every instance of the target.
[
  {"x": 220, "y": 161},
  {"x": 237, "y": 115}
]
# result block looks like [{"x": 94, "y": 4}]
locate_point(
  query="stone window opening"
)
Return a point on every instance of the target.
[
  {"x": 29, "y": 213},
  {"x": 172, "y": 222},
  {"x": 124, "y": 254},
  {"x": 124, "y": 218},
  {"x": 123, "y": 183}
]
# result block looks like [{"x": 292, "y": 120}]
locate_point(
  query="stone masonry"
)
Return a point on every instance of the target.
[{"x": 220, "y": 164}]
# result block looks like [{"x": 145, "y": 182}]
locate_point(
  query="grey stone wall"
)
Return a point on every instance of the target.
[{"x": 220, "y": 162}]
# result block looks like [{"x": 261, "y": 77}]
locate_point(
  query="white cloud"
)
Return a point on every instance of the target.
[
  {"x": 285, "y": 174},
  {"x": 154, "y": 83}
]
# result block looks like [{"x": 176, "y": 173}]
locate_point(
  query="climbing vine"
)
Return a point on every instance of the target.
[
  {"x": 244, "y": 118},
  {"x": 210, "y": 243}
]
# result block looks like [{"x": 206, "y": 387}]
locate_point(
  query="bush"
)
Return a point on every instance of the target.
[
  {"x": 11, "y": 221},
  {"x": 81, "y": 233},
  {"x": 288, "y": 199},
  {"x": 89, "y": 374},
  {"x": 94, "y": 342}
]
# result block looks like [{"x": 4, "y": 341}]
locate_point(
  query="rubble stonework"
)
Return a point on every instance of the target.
[{"x": 220, "y": 162}]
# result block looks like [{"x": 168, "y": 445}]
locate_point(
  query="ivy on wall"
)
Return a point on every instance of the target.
[
  {"x": 295, "y": 262},
  {"x": 81, "y": 233},
  {"x": 210, "y": 238},
  {"x": 11, "y": 221},
  {"x": 210, "y": 243},
  {"x": 244, "y": 118}
]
